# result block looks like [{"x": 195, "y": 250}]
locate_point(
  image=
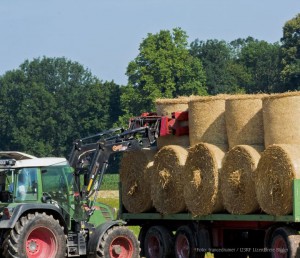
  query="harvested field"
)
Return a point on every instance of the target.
[{"x": 108, "y": 194}]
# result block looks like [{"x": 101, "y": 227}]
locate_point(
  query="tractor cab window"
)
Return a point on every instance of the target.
[
  {"x": 5, "y": 181},
  {"x": 25, "y": 185},
  {"x": 57, "y": 184},
  {"x": 18, "y": 184}
]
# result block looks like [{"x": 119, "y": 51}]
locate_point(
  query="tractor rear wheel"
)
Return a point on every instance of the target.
[
  {"x": 118, "y": 242},
  {"x": 36, "y": 236}
]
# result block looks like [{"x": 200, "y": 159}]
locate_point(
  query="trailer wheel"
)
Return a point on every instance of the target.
[
  {"x": 36, "y": 236},
  {"x": 185, "y": 244},
  {"x": 119, "y": 242},
  {"x": 158, "y": 242},
  {"x": 141, "y": 239},
  {"x": 285, "y": 243}
]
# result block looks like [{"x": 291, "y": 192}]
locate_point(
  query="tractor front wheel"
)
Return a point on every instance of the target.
[
  {"x": 118, "y": 242},
  {"x": 36, "y": 236}
]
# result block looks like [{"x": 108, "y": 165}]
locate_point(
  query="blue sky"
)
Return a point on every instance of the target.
[{"x": 104, "y": 35}]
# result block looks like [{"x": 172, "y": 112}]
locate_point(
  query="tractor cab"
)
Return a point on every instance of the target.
[
  {"x": 35, "y": 180},
  {"x": 43, "y": 181}
]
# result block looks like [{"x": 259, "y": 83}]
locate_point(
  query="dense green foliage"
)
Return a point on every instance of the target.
[
  {"x": 291, "y": 53},
  {"x": 163, "y": 68},
  {"x": 243, "y": 65},
  {"x": 47, "y": 103}
]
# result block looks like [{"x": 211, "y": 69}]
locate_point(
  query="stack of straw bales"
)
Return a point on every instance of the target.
[
  {"x": 167, "y": 179},
  {"x": 244, "y": 124},
  {"x": 228, "y": 135},
  {"x": 208, "y": 139},
  {"x": 165, "y": 107},
  {"x": 135, "y": 171},
  {"x": 279, "y": 163}
]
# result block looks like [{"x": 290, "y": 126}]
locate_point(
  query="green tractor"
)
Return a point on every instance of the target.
[{"x": 44, "y": 213}]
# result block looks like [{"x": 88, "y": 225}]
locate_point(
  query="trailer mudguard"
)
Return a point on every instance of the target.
[
  {"x": 98, "y": 233},
  {"x": 18, "y": 210}
]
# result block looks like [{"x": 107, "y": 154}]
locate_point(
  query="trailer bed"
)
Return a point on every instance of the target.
[{"x": 295, "y": 217}]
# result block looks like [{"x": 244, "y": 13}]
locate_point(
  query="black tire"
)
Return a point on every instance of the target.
[
  {"x": 37, "y": 235},
  {"x": 4, "y": 246},
  {"x": 185, "y": 244},
  {"x": 141, "y": 238},
  {"x": 285, "y": 243},
  {"x": 158, "y": 242},
  {"x": 118, "y": 241}
]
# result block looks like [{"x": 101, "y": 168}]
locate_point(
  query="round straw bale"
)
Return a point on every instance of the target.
[
  {"x": 134, "y": 175},
  {"x": 207, "y": 120},
  {"x": 201, "y": 179},
  {"x": 278, "y": 166},
  {"x": 165, "y": 107},
  {"x": 281, "y": 113},
  {"x": 237, "y": 179},
  {"x": 167, "y": 176},
  {"x": 244, "y": 120},
  {"x": 183, "y": 141}
]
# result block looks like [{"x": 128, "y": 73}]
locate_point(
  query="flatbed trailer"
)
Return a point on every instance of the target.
[{"x": 225, "y": 235}]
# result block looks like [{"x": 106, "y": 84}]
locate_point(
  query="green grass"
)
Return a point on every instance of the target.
[{"x": 110, "y": 182}]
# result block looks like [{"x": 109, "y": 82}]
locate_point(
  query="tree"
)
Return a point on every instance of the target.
[
  {"x": 27, "y": 117},
  {"x": 48, "y": 103},
  {"x": 216, "y": 57},
  {"x": 291, "y": 53},
  {"x": 163, "y": 68},
  {"x": 262, "y": 61}
]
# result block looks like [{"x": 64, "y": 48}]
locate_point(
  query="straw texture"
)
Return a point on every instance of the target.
[
  {"x": 165, "y": 107},
  {"x": 244, "y": 120},
  {"x": 201, "y": 179},
  {"x": 237, "y": 179},
  {"x": 281, "y": 113},
  {"x": 167, "y": 179},
  {"x": 207, "y": 120},
  {"x": 183, "y": 141},
  {"x": 278, "y": 166},
  {"x": 135, "y": 169}
]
